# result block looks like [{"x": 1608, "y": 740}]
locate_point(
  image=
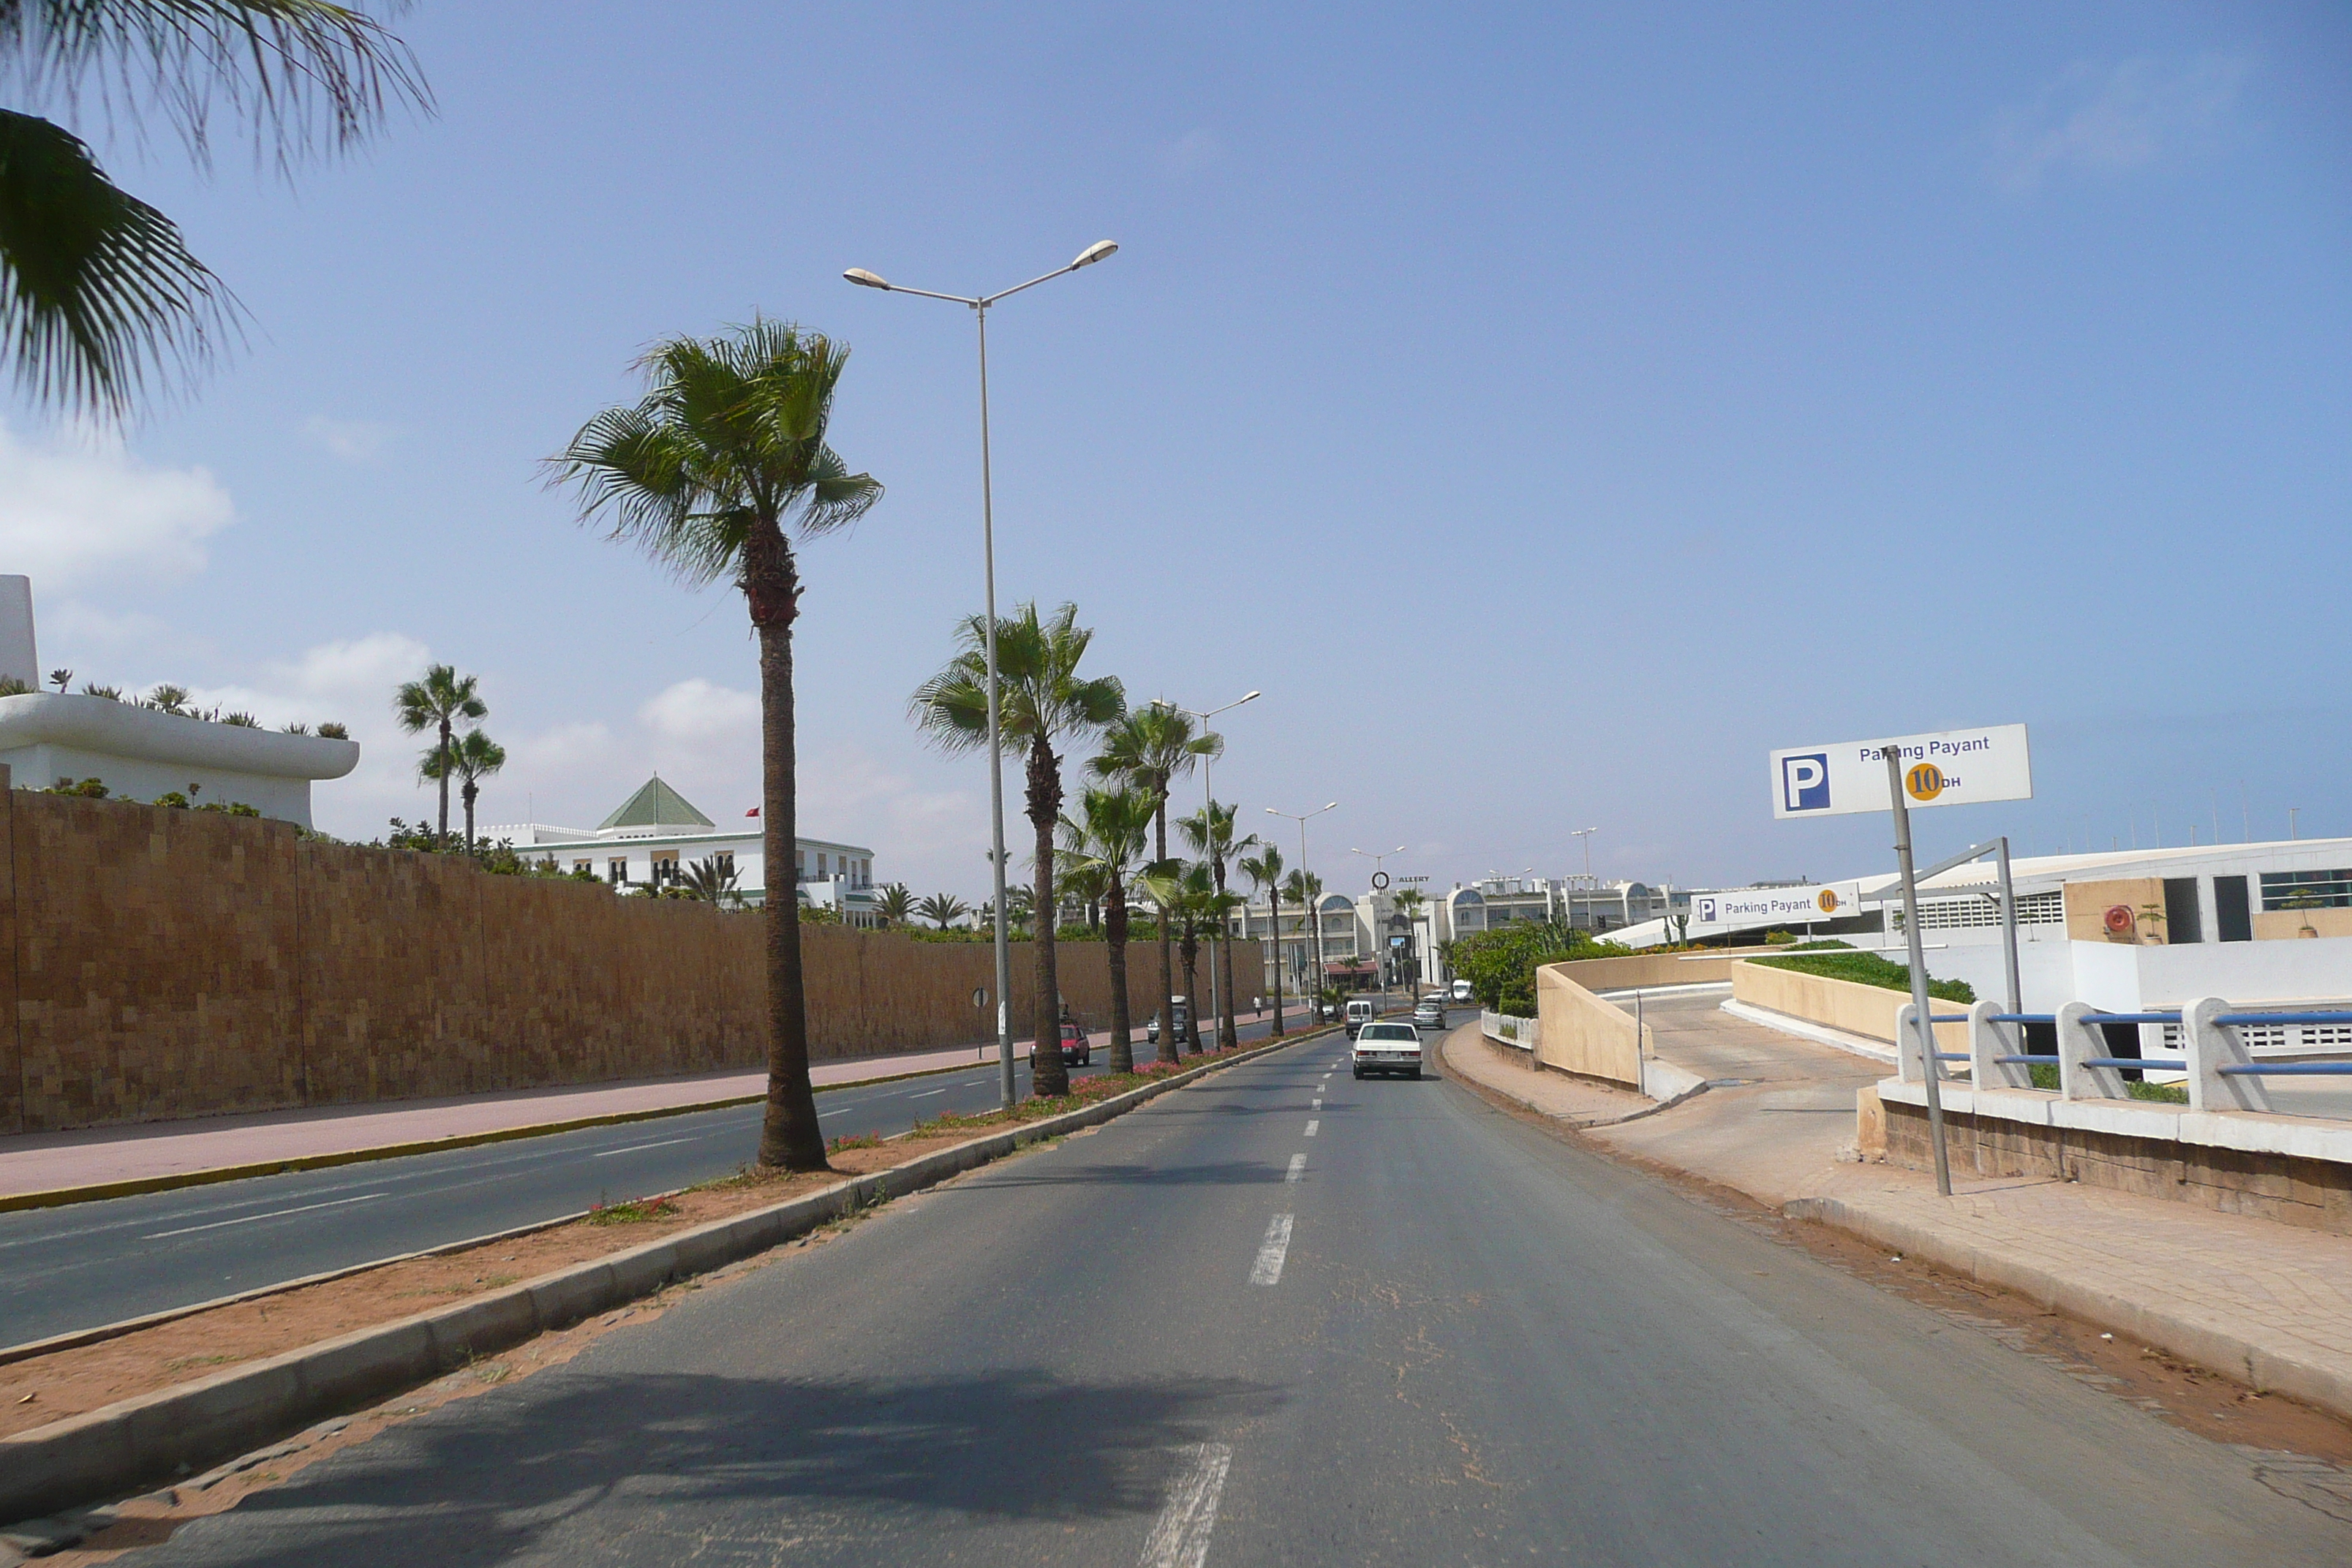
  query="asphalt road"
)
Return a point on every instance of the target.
[
  {"x": 87, "y": 1264},
  {"x": 1237, "y": 1327}
]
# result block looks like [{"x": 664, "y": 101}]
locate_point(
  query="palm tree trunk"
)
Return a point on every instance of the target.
[
  {"x": 1191, "y": 989},
  {"x": 468, "y": 793},
  {"x": 443, "y": 841},
  {"x": 1224, "y": 959},
  {"x": 1167, "y": 954},
  {"x": 1048, "y": 1074},
  {"x": 789, "y": 1133},
  {"x": 1122, "y": 1046},
  {"x": 1274, "y": 905}
]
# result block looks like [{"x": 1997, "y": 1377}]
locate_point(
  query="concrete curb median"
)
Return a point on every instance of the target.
[
  {"x": 183, "y": 1429},
  {"x": 2264, "y": 1368}
]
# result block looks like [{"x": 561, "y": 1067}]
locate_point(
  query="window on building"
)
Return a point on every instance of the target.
[
  {"x": 2307, "y": 890},
  {"x": 820, "y": 865},
  {"x": 725, "y": 860},
  {"x": 588, "y": 866},
  {"x": 665, "y": 867},
  {"x": 617, "y": 868}
]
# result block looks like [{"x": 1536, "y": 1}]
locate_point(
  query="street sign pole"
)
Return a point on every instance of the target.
[{"x": 1931, "y": 1070}]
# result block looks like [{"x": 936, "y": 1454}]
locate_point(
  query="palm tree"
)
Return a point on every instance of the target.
[
  {"x": 1106, "y": 839},
  {"x": 437, "y": 702},
  {"x": 943, "y": 909},
  {"x": 706, "y": 880},
  {"x": 1041, "y": 699},
  {"x": 707, "y": 473},
  {"x": 1265, "y": 871},
  {"x": 1150, "y": 748},
  {"x": 1408, "y": 903},
  {"x": 896, "y": 904},
  {"x": 1209, "y": 832},
  {"x": 473, "y": 757},
  {"x": 1306, "y": 889},
  {"x": 98, "y": 290},
  {"x": 1189, "y": 899}
]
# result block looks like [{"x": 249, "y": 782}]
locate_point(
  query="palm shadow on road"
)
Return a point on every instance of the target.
[{"x": 705, "y": 1457}]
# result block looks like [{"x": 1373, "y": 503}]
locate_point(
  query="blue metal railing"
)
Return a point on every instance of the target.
[
  {"x": 2052, "y": 1056},
  {"x": 2151, "y": 1064},
  {"x": 2289, "y": 1069},
  {"x": 2171, "y": 1017},
  {"x": 2022, "y": 1018}
]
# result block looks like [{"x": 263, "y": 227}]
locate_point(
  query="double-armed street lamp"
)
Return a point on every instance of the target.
[
  {"x": 1315, "y": 908},
  {"x": 1099, "y": 250},
  {"x": 1208, "y": 760}
]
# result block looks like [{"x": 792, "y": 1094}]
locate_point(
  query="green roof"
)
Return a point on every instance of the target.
[{"x": 655, "y": 806}]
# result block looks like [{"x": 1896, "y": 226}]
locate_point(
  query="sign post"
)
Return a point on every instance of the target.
[
  {"x": 1951, "y": 767},
  {"x": 1931, "y": 1071}
]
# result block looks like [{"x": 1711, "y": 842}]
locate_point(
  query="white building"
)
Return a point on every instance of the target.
[
  {"x": 48, "y": 737},
  {"x": 649, "y": 839}
]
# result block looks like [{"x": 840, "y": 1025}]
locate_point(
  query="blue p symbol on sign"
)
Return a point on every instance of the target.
[{"x": 1805, "y": 782}]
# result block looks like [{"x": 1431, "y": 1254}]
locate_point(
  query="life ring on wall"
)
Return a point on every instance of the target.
[{"x": 2121, "y": 921}]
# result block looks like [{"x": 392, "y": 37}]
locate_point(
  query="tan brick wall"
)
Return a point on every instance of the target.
[{"x": 163, "y": 964}]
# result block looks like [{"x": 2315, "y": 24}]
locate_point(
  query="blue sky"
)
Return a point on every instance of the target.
[{"x": 1550, "y": 409}]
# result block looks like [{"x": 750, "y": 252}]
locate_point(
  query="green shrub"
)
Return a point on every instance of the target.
[
  {"x": 1867, "y": 969},
  {"x": 1500, "y": 964},
  {"x": 89, "y": 789}
]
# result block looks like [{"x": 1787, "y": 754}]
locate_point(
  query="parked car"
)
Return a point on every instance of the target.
[
  {"x": 1329, "y": 1011},
  {"x": 1388, "y": 1047},
  {"x": 1463, "y": 994},
  {"x": 1076, "y": 1049},
  {"x": 1183, "y": 1023},
  {"x": 1360, "y": 1013},
  {"x": 1429, "y": 1013}
]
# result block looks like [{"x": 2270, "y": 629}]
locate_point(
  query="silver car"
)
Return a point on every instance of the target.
[{"x": 1429, "y": 1013}]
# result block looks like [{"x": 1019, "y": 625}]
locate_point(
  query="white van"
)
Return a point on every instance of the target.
[
  {"x": 1462, "y": 992},
  {"x": 1360, "y": 1013}
]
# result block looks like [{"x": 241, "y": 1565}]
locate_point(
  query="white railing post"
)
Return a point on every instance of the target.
[
  {"x": 2078, "y": 1043},
  {"x": 1987, "y": 1041},
  {"x": 1907, "y": 1058},
  {"x": 2208, "y": 1047}
]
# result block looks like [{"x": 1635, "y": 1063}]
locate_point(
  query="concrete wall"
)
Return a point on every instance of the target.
[
  {"x": 2087, "y": 903},
  {"x": 2288, "y": 925},
  {"x": 1643, "y": 970},
  {"x": 1847, "y": 1004},
  {"x": 1580, "y": 1033},
  {"x": 157, "y": 963}
]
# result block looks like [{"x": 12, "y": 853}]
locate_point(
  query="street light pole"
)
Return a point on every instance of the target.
[
  {"x": 1379, "y": 859},
  {"x": 1314, "y": 910},
  {"x": 1100, "y": 251},
  {"x": 1216, "y": 855}
]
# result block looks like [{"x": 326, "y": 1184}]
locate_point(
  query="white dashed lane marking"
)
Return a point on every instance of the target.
[
  {"x": 1312, "y": 1125},
  {"x": 608, "y": 1154},
  {"x": 1297, "y": 1168},
  {"x": 273, "y": 1213},
  {"x": 1267, "y": 1270},
  {"x": 1318, "y": 1105},
  {"x": 1180, "y": 1537}
]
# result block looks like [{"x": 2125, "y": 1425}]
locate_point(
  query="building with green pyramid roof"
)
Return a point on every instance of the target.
[{"x": 648, "y": 842}]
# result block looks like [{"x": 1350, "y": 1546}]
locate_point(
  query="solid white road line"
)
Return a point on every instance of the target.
[
  {"x": 608, "y": 1154},
  {"x": 1297, "y": 1168},
  {"x": 1179, "y": 1538},
  {"x": 927, "y": 1093},
  {"x": 1267, "y": 1270},
  {"x": 1312, "y": 1125},
  {"x": 249, "y": 1219}
]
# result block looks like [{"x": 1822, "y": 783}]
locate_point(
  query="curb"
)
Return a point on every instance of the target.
[
  {"x": 2265, "y": 1370},
  {"x": 58, "y": 1197},
  {"x": 1488, "y": 1092},
  {"x": 189, "y": 1428},
  {"x": 1806, "y": 1029}
]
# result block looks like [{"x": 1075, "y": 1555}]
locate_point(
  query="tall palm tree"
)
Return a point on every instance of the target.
[
  {"x": 1265, "y": 871},
  {"x": 1408, "y": 904},
  {"x": 1041, "y": 700},
  {"x": 437, "y": 702},
  {"x": 707, "y": 473},
  {"x": 472, "y": 757},
  {"x": 1150, "y": 748},
  {"x": 1305, "y": 889},
  {"x": 1188, "y": 899},
  {"x": 1209, "y": 834},
  {"x": 942, "y": 910},
  {"x": 1106, "y": 838},
  {"x": 98, "y": 290},
  {"x": 896, "y": 904}
]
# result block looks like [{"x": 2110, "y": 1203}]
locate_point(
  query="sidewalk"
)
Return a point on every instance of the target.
[
  {"x": 2268, "y": 1303},
  {"x": 158, "y": 1151}
]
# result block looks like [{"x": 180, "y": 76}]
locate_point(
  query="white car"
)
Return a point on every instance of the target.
[
  {"x": 1388, "y": 1047},
  {"x": 1462, "y": 992}
]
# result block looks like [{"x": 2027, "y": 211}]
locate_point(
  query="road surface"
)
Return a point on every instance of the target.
[
  {"x": 87, "y": 1264},
  {"x": 1239, "y": 1327}
]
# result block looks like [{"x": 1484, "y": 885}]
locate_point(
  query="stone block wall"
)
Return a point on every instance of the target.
[{"x": 157, "y": 963}]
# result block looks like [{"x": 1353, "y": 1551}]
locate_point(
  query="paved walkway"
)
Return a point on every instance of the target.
[
  {"x": 46, "y": 1162},
  {"x": 2268, "y": 1302}
]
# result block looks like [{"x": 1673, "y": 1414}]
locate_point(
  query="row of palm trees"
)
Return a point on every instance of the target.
[
  {"x": 1112, "y": 847},
  {"x": 438, "y": 702}
]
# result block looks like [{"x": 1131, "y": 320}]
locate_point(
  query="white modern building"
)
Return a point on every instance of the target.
[
  {"x": 139, "y": 752},
  {"x": 650, "y": 839}
]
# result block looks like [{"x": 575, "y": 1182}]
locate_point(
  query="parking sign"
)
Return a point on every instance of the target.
[{"x": 1951, "y": 767}]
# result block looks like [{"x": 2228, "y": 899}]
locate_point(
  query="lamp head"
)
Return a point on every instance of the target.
[
  {"x": 1100, "y": 251},
  {"x": 865, "y": 279}
]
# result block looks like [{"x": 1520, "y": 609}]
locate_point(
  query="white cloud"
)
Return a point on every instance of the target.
[
  {"x": 1192, "y": 152},
  {"x": 697, "y": 712},
  {"x": 352, "y": 440},
  {"x": 81, "y": 509},
  {"x": 2106, "y": 120}
]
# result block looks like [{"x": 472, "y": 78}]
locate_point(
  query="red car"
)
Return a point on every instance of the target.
[{"x": 1076, "y": 1049}]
